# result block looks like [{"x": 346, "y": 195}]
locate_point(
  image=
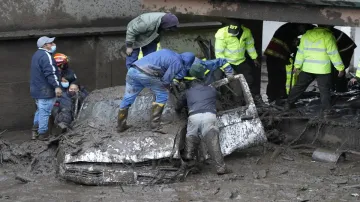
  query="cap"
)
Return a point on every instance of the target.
[
  {"x": 44, "y": 40},
  {"x": 233, "y": 30},
  {"x": 197, "y": 70}
]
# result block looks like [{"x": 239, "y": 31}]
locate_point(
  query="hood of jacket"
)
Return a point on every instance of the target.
[
  {"x": 188, "y": 59},
  {"x": 317, "y": 33}
]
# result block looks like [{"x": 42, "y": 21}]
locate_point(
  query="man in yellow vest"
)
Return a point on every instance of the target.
[
  {"x": 317, "y": 50},
  {"x": 231, "y": 43}
]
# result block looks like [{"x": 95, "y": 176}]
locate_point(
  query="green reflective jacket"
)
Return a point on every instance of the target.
[
  {"x": 316, "y": 50},
  {"x": 233, "y": 49}
]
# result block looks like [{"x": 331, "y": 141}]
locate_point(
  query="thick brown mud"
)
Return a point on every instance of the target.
[{"x": 260, "y": 174}]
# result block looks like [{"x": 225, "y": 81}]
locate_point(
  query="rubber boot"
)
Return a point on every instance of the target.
[
  {"x": 213, "y": 145},
  {"x": 157, "y": 110},
  {"x": 44, "y": 136},
  {"x": 122, "y": 117},
  {"x": 191, "y": 147},
  {"x": 34, "y": 132}
]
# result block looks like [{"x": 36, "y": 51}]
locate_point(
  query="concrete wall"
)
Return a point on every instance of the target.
[{"x": 97, "y": 61}]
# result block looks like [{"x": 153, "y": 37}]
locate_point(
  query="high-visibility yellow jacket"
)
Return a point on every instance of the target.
[
  {"x": 141, "y": 55},
  {"x": 233, "y": 49},
  {"x": 291, "y": 78},
  {"x": 358, "y": 71},
  {"x": 316, "y": 50}
]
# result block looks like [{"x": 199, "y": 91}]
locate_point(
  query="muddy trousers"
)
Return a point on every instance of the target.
[
  {"x": 136, "y": 81},
  {"x": 276, "y": 88},
  {"x": 251, "y": 74},
  {"x": 130, "y": 59},
  {"x": 304, "y": 80},
  {"x": 42, "y": 114}
]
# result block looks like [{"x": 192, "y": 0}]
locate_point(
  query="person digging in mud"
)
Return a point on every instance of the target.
[
  {"x": 155, "y": 71},
  {"x": 211, "y": 66},
  {"x": 201, "y": 101},
  {"x": 66, "y": 107},
  {"x": 44, "y": 86},
  {"x": 145, "y": 31}
]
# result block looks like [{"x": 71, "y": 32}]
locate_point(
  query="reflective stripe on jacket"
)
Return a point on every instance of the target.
[
  {"x": 141, "y": 55},
  {"x": 232, "y": 48},
  {"x": 290, "y": 80},
  {"x": 316, "y": 50},
  {"x": 358, "y": 71},
  {"x": 278, "y": 48}
]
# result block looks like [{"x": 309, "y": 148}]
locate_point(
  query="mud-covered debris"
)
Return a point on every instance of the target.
[
  {"x": 263, "y": 173},
  {"x": 276, "y": 153},
  {"x": 216, "y": 190},
  {"x": 255, "y": 175},
  {"x": 24, "y": 179},
  {"x": 234, "y": 194},
  {"x": 235, "y": 177},
  {"x": 355, "y": 194},
  {"x": 284, "y": 172},
  {"x": 304, "y": 187},
  {"x": 341, "y": 181},
  {"x": 288, "y": 158}
]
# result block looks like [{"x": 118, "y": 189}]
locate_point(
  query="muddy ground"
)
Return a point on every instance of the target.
[{"x": 258, "y": 175}]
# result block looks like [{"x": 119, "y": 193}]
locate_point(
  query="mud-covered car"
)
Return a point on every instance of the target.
[{"x": 94, "y": 153}]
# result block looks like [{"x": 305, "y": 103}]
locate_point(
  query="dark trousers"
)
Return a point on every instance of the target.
[
  {"x": 276, "y": 88},
  {"x": 251, "y": 74},
  {"x": 339, "y": 84},
  {"x": 130, "y": 59},
  {"x": 304, "y": 80}
]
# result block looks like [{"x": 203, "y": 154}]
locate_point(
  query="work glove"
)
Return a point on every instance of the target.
[
  {"x": 341, "y": 73},
  {"x": 58, "y": 92},
  {"x": 230, "y": 78},
  {"x": 129, "y": 51},
  {"x": 352, "y": 81},
  {"x": 257, "y": 63}
]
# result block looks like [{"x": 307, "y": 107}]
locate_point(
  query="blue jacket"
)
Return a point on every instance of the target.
[
  {"x": 44, "y": 75},
  {"x": 166, "y": 64},
  {"x": 201, "y": 98},
  {"x": 63, "y": 110},
  {"x": 213, "y": 65}
]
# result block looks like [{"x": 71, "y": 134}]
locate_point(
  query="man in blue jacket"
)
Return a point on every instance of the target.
[
  {"x": 155, "y": 71},
  {"x": 44, "y": 85}
]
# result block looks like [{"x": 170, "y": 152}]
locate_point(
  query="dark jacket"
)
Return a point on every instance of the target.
[
  {"x": 201, "y": 98},
  {"x": 44, "y": 75},
  {"x": 69, "y": 75},
  {"x": 346, "y": 46},
  {"x": 64, "y": 107},
  {"x": 166, "y": 64}
]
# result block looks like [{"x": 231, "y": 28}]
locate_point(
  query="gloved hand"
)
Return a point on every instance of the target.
[
  {"x": 341, "y": 73},
  {"x": 129, "y": 51},
  {"x": 58, "y": 92},
  {"x": 257, "y": 63},
  {"x": 230, "y": 78},
  {"x": 296, "y": 71},
  {"x": 352, "y": 81}
]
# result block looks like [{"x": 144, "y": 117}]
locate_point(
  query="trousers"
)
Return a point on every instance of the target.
[
  {"x": 201, "y": 124},
  {"x": 136, "y": 81},
  {"x": 42, "y": 114},
  {"x": 130, "y": 59},
  {"x": 276, "y": 88},
  {"x": 304, "y": 80},
  {"x": 251, "y": 74}
]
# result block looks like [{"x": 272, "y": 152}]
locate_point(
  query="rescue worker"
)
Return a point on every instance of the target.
[
  {"x": 64, "y": 109},
  {"x": 316, "y": 50},
  {"x": 44, "y": 86},
  {"x": 201, "y": 101},
  {"x": 277, "y": 56},
  {"x": 155, "y": 71},
  {"x": 356, "y": 79},
  {"x": 66, "y": 74},
  {"x": 145, "y": 31},
  {"x": 211, "y": 66},
  {"x": 346, "y": 47},
  {"x": 141, "y": 55},
  {"x": 231, "y": 43}
]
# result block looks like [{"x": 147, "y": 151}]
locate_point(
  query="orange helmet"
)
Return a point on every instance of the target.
[{"x": 61, "y": 60}]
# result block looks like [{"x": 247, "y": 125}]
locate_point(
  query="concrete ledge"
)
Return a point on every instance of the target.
[{"x": 92, "y": 31}]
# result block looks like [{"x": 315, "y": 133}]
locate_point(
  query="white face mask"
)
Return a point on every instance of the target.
[
  {"x": 65, "y": 84},
  {"x": 53, "y": 49}
]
